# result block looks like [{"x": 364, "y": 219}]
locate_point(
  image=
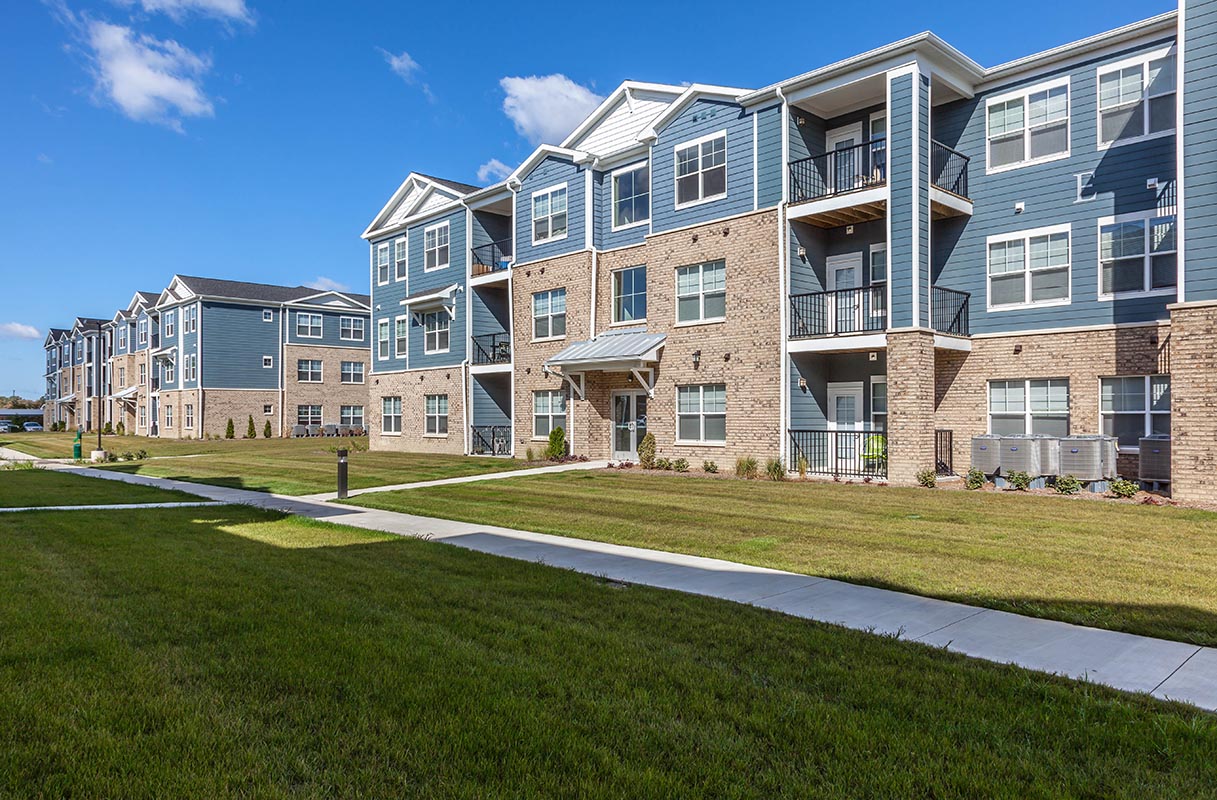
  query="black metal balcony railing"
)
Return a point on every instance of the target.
[
  {"x": 859, "y": 310},
  {"x": 841, "y": 454},
  {"x": 491, "y": 257},
  {"x": 949, "y": 169},
  {"x": 944, "y": 449},
  {"x": 849, "y": 169},
  {"x": 949, "y": 311},
  {"x": 492, "y": 348},
  {"x": 491, "y": 440}
]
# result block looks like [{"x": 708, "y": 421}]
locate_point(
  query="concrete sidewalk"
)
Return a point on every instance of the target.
[
  {"x": 485, "y": 476},
  {"x": 113, "y": 506},
  {"x": 1166, "y": 669}
]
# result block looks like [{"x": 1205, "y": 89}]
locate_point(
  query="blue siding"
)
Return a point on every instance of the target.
[
  {"x": 808, "y": 273},
  {"x": 808, "y": 407},
  {"x": 769, "y": 156},
  {"x": 421, "y": 281},
  {"x": 331, "y": 327},
  {"x": 234, "y": 341},
  {"x": 489, "y": 309},
  {"x": 489, "y": 227},
  {"x": 1200, "y": 149},
  {"x": 550, "y": 172},
  {"x": 491, "y": 399},
  {"x": 386, "y": 304},
  {"x": 900, "y": 179},
  {"x": 605, "y": 237}
]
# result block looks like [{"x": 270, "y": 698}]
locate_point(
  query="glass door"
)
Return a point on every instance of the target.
[
  {"x": 845, "y": 282},
  {"x": 629, "y": 424},
  {"x": 845, "y": 426}
]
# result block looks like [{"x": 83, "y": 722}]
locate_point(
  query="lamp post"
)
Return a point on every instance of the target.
[{"x": 342, "y": 474}]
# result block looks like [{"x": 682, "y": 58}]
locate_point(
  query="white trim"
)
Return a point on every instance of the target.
[
  {"x": 397, "y": 246},
  {"x": 376, "y": 251},
  {"x": 755, "y": 162},
  {"x": 589, "y": 218},
  {"x": 836, "y": 389},
  {"x": 698, "y": 142},
  {"x": 1180, "y": 43},
  {"x": 321, "y": 320},
  {"x": 1025, "y": 237},
  {"x": 1148, "y": 412},
  {"x": 363, "y": 329},
  {"x": 265, "y": 359},
  {"x": 1141, "y": 60},
  {"x": 613, "y": 226},
  {"x": 1025, "y": 95},
  {"x": 311, "y": 361},
  {"x": 394, "y": 338},
  {"x": 1146, "y": 256},
  {"x": 532, "y": 220},
  {"x": 446, "y": 224},
  {"x": 915, "y": 75},
  {"x": 388, "y": 323},
  {"x": 439, "y": 316},
  {"x": 613, "y": 274}
]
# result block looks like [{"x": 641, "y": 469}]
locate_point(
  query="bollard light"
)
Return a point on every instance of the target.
[{"x": 342, "y": 474}]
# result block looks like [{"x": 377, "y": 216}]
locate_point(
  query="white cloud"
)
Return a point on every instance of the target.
[
  {"x": 493, "y": 170},
  {"x": 546, "y": 108},
  {"x": 43, "y": 158},
  {"x": 325, "y": 284},
  {"x": 19, "y": 330},
  {"x": 177, "y": 10},
  {"x": 406, "y": 68},
  {"x": 149, "y": 79}
]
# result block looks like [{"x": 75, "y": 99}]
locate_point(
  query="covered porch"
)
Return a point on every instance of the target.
[{"x": 838, "y": 414}]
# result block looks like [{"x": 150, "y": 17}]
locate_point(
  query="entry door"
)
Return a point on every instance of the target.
[
  {"x": 845, "y": 168},
  {"x": 629, "y": 424},
  {"x": 845, "y": 426},
  {"x": 844, "y": 306}
]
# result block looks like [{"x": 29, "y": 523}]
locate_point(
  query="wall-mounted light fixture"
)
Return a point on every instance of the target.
[
  {"x": 849, "y": 230},
  {"x": 696, "y": 359},
  {"x": 1018, "y": 348},
  {"x": 802, "y": 252},
  {"x": 803, "y": 384},
  {"x": 1020, "y": 207}
]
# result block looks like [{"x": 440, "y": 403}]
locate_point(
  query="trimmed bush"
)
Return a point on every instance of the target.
[
  {"x": 266, "y": 433},
  {"x": 1019, "y": 481},
  {"x": 681, "y": 465},
  {"x": 775, "y": 469},
  {"x": 529, "y": 455},
  {"x": 746, "y": 467},
  {"x": 230, "y": 432},
  {"x": 975, "y": 479},
  {"x": 121, "y": 429},
  {"x": 557, "y": 444},
  {"x": 250, "y": 431},
  {"x": 710, "y": 467},
  {"x": 663, "y": 463},
  {"x": 927, "y": 478},
  {"x": 1067, "y": 484},
  {"x": 646, "y": 451},
  {"x": 107, "y": 429},
  {"x": 1122, "y": 487}
]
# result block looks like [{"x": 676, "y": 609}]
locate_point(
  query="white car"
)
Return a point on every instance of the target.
[{"x": 32, "y": 426}]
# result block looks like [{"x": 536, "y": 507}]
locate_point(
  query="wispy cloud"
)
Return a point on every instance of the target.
[
  {"x": 48, "y": 109},
  {"x": 325, "y": 284},
  {"x": 43, "y": 158},
  {"x": 18, "y": 330},
  {"x": 178, "y": 10},
  {"x": 493, "y": 170},
  {"x": 545, "y": 108},
  {"x": 405, "y": 67}
]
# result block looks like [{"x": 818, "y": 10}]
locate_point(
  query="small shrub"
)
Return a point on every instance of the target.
[
  {"x": 529, "y": 455},
  {"x": 127, "y": 456},
  {"x": 927, "y": 478},
  {"x": 120, "y": 429},
  {"x": 624, "y": 465},
  {"x": 681, "y": 465},
  {"x": 107, "y": 429},
  {"x": 1122, "y": 487},
  {"x": 975, "y": 479},
  {"x": 801, "y": 466},
  {"x": 746, "y": 467},
  {"x": 266, "y": 434},
  {"x": 557, "y": 444},
  {"x": 775, "y": 469},
  {"x": 646, "y": 451},
  {"x": 16, "y": 466},
  {"x": 663, "y": 463},
  {"x": 230, "y": 432},
  {"x": 709, "y": 466},
  {"x": 1067, "y": 484},
  {"x": 250, "y": 431},
  {"x": 1019, "y": 481}
]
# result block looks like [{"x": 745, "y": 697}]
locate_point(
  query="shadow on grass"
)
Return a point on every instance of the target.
[{"x": 228, "y": 482}]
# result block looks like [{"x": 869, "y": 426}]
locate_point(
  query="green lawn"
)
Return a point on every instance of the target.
[
  {"x": 59, "y": 445},
  {"x": 226, "y": 651},
  {"x": 1140, "y": 569},
  {"x": 38, "y": 487}
]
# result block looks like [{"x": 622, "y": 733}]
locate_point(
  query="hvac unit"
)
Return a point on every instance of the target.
[
  {"x": 1020, "y": 454},
  {"x": 1156, "y": 458},
  {"x": 1111, "y": 453},
  {"x": 1085, "y": 457},
  {"x": 986, "y": 453},
  {"x": 1050, "y": 454}
]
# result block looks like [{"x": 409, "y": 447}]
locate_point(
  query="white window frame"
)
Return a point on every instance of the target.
[
  {"x": 1118, "y": 66},
  {"x": 1025, "y": 96},
  {"x": 192, "y": 367},
  {"x": 348, "y": 413},
  {"x": 701, "y": 415},
  {"x": 309, "y": 370},
  {"x": 613, "y": 198},
  {"x": 1146, "y": 255},
  {"x": 268, "y": 315},
  {"x": 428, "y": 331},
  {"x": 310, "y": 406},
  {"x": 168, "y": 319},
  {"x": 616, "y": 276},
  {"x": 384, "y": 331},
  {"x": 701, "y": 319},
  {"x": 320, "y": 325},
  {"x": 188, "y": 416},
  {"x": 401, "y": 343},
  {"x": 347, "y": 368},
  {"x": 168, "y": 416},
  {"x": 142, "y": 418},
  {"x": 550, "y": 414},
  {"x": 190, "y": 319},
  {"x": 1148, "y": 413},
  {"x": 268, "y": 362},
  {"x": 353, "y": 324},
  {"x": 1025, "y": 237},
  {"x": 432, "y": 419},
  {"x": 550, "y": 315},
  {"x": 401, "y": 258},
  {"x": 268, "y": 409},
  {"x": 122, "y": 338},
  {"x": 382, "y": 264},
  {"x": 1027, "y": 412},
  {"x": 141, "y": 332},
  {"x": 701, "y": 170},
  {"x": 875, "y": 381},
  {"x": 532, "y": 218},
  {"x": 390, "y": 412},
  {"x": 169, "y": 372},
  {"x": 143, "y": 375},
  {"x": 428, "y": 247}
]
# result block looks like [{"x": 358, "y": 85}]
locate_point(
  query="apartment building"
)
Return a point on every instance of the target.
[
  {"x": 898, "y": 251},
  {"x": 76, "y": 368}
]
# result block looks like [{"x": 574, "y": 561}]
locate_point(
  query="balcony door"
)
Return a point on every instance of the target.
[
  {"x": 845, "y": 427},
  {"x": 844, "y": 273},
  {"x": 844, "y": 167}
]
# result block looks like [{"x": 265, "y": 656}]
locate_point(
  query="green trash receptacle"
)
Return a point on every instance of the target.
[{"x": 76, "y": 446}]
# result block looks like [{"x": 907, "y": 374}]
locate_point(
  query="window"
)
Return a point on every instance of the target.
[
  {"x": 308, "y": 415},
  {"x": 168, "y": 323},
  {"x": 436, "y": 415},
  {"x": 549, "y": 314},
  {"x": 548, "y": 412},
  {"x": 308, "y": 326},
  {"x": 268, "y": 315},
  {"x": 701, "y": 292},
  {"x": 122, "y": 338},
  {"x": 435, "y": 247},
  {"x": 631, "y": 196},
  {"x": 268, "y": 362},
  {"x": 878, "y": 403},
  {"x": 190, "y": 319},
  {"x": 382, "y": 263},
  {"x": 1030, "y": 127},
  {"x": 400, "y": 261},
  {"x": 143, "y": 374},
  {"x": 401, "y": 341},
  {"x": 630, "y": 294},
  {"x": 549, "y": 214},
  {"x": 143, "y": 416},
  {"x": 351, "y": 415},
  {"x": 436, "y": 331},
  {"x": 188, "y": 416},
  {"x": 141, "y": 334},
  {"x": 122, "y": 377},
  {"x": 1137, "y": 99},
  {"x": 352, "y": 372},
  {"x": 1136, "y": 407},
  {"x": 350, "y": 329},
  {"x": 168, "y": 416},
  {"x": 191, "y": 367},
  {"x": 1137, "y": 254},
  {"x": 1029, "y": 267},
  {"x": 382, "y": 339},
  {"x": 390, "y": 415},
  {"x": 878, "y": 263},
  {"x": 308, "y": 370},
  {"x": 701, "y": 170},
  {"x": 1035, "y": 406},
  {"x": 168, "y": 372},
  {"x": 701, "y": 413},
  {"x": 268, "y": 409}
]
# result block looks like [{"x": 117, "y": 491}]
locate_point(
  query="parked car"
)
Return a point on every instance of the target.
[
  {"x": 32, "y": 426},
  {"x": 7, "y": 427}
]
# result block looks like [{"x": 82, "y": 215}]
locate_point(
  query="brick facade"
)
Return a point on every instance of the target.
[
  {"x": 331, "y": 394},
  {"x": 220, "y": 405},
  {"x": 910, "y": 404},
  {"x": 413, "y": 387},
  {"x": 1194, "y": 403}
]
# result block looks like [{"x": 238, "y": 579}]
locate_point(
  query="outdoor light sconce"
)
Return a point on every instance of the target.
[
  {"x": 803, "y": 384},
  {"x": 1018, "y": 348},
  {"x": 726, "y": 231},
  {"x": 726, "y": 356},
  {"x": 802, "y": 121},
  {"x": 696, "y": 359},
  {"x": 695, "y": 238},
  {"x": 802, "y": 252}
]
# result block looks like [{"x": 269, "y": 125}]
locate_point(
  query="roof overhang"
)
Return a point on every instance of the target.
[
  {"x": 622, "y": 92},
  {"x": 696, "y": 91},
  {"x": 615, "y": 351},
  {"x": 436, "y": 300},
  {"x": 540, "y": 154},
  {"x": 379, "y": 225},
  {"x": 125, "y": 394}
]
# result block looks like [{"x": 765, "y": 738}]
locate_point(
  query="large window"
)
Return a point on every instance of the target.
[
  {"x": 122, "y": 338},
  {"x": 1136, "y": 407},
  {"x": 435, "y": 247},
  {"x": 549, "y": 314},
  {"x": 701, "y": 413},
  {"x": 549, "y": 214},
  {"x": 701, "y": 292},
  {"x": 401, "y": 336},
  {"x": 400, "y": 256},
  {"x": 1137, "y": 99},
  {"x": 188, "y": 416},
  {"x": 631, "y": 196},
  {"x": 308, "y": 326},
  {"x": 630, "y": 294},
  {"x": 548, "y": 412},
  {"x": 308, "y": 370},
  {"x": 308, "y": 415},
  {"x": 191, "y": 367},
  {"x": 437, "y": 327},
  {"x": 350, "y": 415},
  {"x": 1029, "y": 267},
  {"x": 1029, "y": 406},
  {"x": 168, "y": 320},
  {"x": 382, "y": 263},
  {"x": 390, "y": 415},
  {"x": 141, "y": 334},
  {"x": 1029, "y": 127},
  {"x": 352, "y": 372},
  {"x": 436, "y": 415},
  {"x": 382, "y": 339},
  {"x": 350, "y": 329},
  {"x": 190, "y": 319},
  {"x": 701, "y": 170},
  {"x": 1137, "y": 254}
]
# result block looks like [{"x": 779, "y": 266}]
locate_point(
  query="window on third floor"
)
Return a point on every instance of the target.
[
  {"x": 701, "y": 170},
  {"x": 631, "y": 196},
  {"x": 549, "y": 216},
  {"x": 1029, "y": 126}
]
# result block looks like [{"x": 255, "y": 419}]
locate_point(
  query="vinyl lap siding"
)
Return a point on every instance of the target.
[
  {"x": 331, "y": 327},
  {"x": 422, "y": 281},
  {"x": 234, "y": 341},
  {"x": 1200, "y": 149},
  {"x": 769, "y": 156},
  {"x": 550, "y": 172},
  {"x": 491, "y": 400},
  {"x": 900, "y": 180},
  {"x": 606, "y": 238}
]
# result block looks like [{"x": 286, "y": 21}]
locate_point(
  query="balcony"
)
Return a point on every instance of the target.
[
  {"x": 841, "y": 454},
  {"x": 859, "y": 172},
  {"x": 491, "y": 440},
  {"x": 949, "y": 170},
  {"x": 838, "y": 312},
  {"x": 949, "y": 311},
  {"x": 490, "y": 258},
  {"x": 491, "y": 348}
]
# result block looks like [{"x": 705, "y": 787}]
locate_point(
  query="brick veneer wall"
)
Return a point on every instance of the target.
[
  {"x": 331, "y": 394},
  {"x": 220, "y": 405},
  {"x": 412, "y": 387},
  {"x": 1194, "y": 402},
  {"x": 910, "y": 405},
  {"x": 178, "y": 430}
]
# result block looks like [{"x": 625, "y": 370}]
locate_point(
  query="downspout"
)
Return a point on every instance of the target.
[
  {"x": 514, "y": 187},
  {"x": 784, "y": 305},
  {"x": 282, "y": 357},
  {"x": 466, "y": 369}
]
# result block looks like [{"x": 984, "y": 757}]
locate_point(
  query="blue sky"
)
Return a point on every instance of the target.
[{"x": 254, "y": 140}]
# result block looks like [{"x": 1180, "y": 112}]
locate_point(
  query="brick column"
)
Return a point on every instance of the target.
[
  {"x": 910, "y": 405},
  {"x": 1193, "y": 368}
]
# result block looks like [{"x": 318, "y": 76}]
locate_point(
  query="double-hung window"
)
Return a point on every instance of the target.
[
  {"x": 143, "y": 416},
  {"x": 382, "y": 263},
  {"x": 435, "y": 246},
  {"x": 1133, "y": 407},
  {"x": 142, "y": 332},
  {"x": 169, "y": 315},
  {"x": 437, "y": 326},
  {"x": 122, "y": 338},
  {"x": 1137, "y": 254},
  {"x": 190, "y": 319},
  {"x": 352, "y": 372},
  {"x": 168, "y": 372},
  {"x": 701, "y": 413},
  {"x": 351, "y": 416},
  {"x": 701, "y": 292},
  {"x": 350, "y": 329},
  {"x": 1029, "y": 406},
  {"x": 548, "y": 412},
  {"x": 143, "y": 374},
  {"x": 701, "y": 170},
  {"x": 1028, "y": 127},
  {"x": 401, "y": 336},
  {"x": 188, "y": 416},
  {"x": 400, "y": 258},
  {"x": 1137, "y": 98},
  {"x": 436, "y": 423},
  {"x": 390, "y": 415},
  {"x": 168, "y": 416},
  {"x": 308, "y": 415},
  {"x": 878, "y": 403},
  {"x": 308, "y": 370},
  {"x": 1029, "y": 267},
  {"x": 631, "y": 196},
  {"x": 549, "y": 314},
  {"x": 382, "y": 339},
  {"x": 308, "y": 326},
  {"x": 630, "y": 294},
  {"x": 549, "y": 214},
  {"x": 192, "y": 367}
]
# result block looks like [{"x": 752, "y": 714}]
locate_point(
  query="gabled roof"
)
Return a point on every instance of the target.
[
  {"x": 54, "y": 335},
  {"x": 540, "y": 154},
  {"x": 417, "y": 193},
  {"x": 88, "y": 325},
  {"x": 616, "y": 124},
  {"x": 240, "y": 290},
  {"x": 610, "y": 347},
  {"x": 319, "y": 298},
  {"x": 693, "y": 92},
  {"x": 456, "y": 186}
]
